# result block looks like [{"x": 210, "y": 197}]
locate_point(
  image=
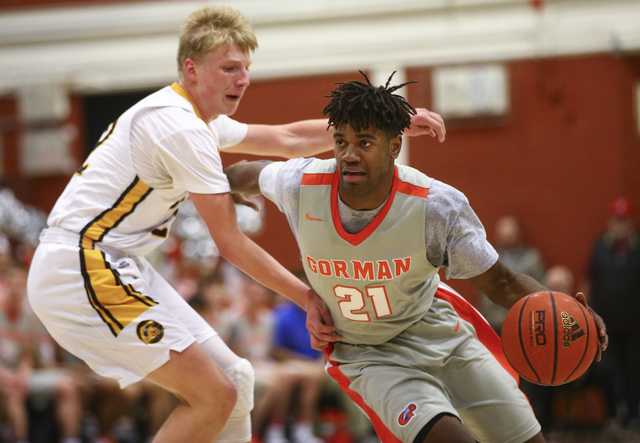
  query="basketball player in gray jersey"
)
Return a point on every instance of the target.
[{"x": 414, "y": 355}]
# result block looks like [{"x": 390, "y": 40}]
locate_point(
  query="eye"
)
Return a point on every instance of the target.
[
  {"x": 339, "y": 142},
  {"x": 365, "y": 143}
]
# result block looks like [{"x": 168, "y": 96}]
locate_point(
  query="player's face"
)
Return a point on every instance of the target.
[
  {"x": 222, "y": 81},
  {"x": 365, "y": 164}
]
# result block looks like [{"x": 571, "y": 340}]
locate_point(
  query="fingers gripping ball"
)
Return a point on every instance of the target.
[{"x": 549, "y": 338}]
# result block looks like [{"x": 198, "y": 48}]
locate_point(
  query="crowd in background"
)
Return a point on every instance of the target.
[{"x": 50, "y": 396}]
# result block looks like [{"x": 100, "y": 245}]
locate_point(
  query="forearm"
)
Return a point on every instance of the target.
[
  {"x": 246, "y": 255},
  {"x": 218, "y": 213},
  {"x": 514, "y": 288},
  {"x": 303, "y": 138},
  {"x": 244, "y": 176},
  {"x": 505, "y": 287},
  {"x": 308, "y": 138}
]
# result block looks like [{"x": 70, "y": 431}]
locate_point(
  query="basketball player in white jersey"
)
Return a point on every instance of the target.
[
  {"x": 90, "y": 283},
  {"x": 414, "y": 355}
]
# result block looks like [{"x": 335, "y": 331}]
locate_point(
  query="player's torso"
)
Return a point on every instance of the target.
[
  {"x": 378, "y": 281},
  {"x": 106, "y": 201}
]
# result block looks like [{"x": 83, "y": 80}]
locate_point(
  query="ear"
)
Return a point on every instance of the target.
[
  {"x": 395, "y": 146},
  {"x": 190, "y": 70}
]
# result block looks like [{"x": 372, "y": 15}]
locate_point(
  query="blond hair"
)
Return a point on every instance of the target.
[{"x": 211, "y": 27}]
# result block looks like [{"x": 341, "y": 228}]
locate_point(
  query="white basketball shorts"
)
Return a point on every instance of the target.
[{"x": 110, "y": 309}]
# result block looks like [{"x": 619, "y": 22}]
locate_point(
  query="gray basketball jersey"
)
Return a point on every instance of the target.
[{"x": 378, "y": 281}]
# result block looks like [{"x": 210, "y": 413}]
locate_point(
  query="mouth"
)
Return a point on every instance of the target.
[
  {"x": 233, "y": 98},
  {"x": 352, "y": 175}
]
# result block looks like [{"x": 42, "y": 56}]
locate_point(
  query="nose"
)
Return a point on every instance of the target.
[
  {"x": 243, "y": 78},
  {"x": 350, "y": 154}
]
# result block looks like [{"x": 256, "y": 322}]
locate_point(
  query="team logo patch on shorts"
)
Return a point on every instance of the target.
[
  {"x": 409, "y": 412},
  {"x": 150, "y": 331}
]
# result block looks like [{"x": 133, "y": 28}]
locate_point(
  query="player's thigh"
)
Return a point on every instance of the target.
[
  {"x": 487, "y": 397},
  {"x": 444, "y": 428},
  {"x": 400, "y": 400}
]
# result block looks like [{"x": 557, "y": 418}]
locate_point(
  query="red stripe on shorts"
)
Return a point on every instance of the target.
[
  {"x": 484, "y": 331},
  {"x": 384, "y": 434}
]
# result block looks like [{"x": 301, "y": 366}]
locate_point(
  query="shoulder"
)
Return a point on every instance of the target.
[
  {"x": 166, "y": 112},
  {"x": 290, "y": 171},
  {"x": 411, "y": 175},
  {"x": 319, "y": 166},
  {"x": 224, "y": 122},
  {"x": 445, "y": 200}
]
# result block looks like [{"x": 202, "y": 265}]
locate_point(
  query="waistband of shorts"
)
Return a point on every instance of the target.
[{"x": 59, "y": 235}]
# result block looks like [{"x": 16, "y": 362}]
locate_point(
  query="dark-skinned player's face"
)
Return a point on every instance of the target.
[{"x": 365, "y": 164}]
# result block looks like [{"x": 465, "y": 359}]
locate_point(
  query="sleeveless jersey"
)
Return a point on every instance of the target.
[
  {"x": 376, "y": 282},
  {"x": 106, "y": 201}
]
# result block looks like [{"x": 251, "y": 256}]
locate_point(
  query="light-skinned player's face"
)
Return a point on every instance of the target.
[
  {"x": 219, "y": 81},
  {"x": 365, "y": 164}
]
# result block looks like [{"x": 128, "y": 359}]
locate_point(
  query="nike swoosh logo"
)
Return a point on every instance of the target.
[
  {"x": 313, "y": 219},
  {"x": 455, "y": 329}
]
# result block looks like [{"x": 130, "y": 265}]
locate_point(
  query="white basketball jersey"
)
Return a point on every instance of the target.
[
  {"x": 376, "y": 282},
  {"x": 106, "y": 201}
]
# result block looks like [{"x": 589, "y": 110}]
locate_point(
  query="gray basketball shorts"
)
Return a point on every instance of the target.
[{"x": 451, "y": 362}]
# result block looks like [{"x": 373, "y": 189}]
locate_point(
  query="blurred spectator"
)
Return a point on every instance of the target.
[
  {"x": 213, "y": 302},
  {"x": 560, "y": 279},
  {"x": 542, "y": 398},
  {"x": 613, "y": 289},
  {"x": 304, "y": 375},
  {"x": 518, "y": 256},
  {"x": 291, "y": 367},
  {"x": 249, "y": 333},
  {"x": 27, "y": 367},
  {"x": 5, "y": 261},
  {"x": 525, "y": 259}
]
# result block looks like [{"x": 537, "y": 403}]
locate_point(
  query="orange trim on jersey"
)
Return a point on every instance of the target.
[
  {"x": 316, "y": 179},
  {"x": 411, "y": 189},
  {"x": 384, "y": 434},
  {"x": 333, "y": 179},
  {"x": 484, "y": 331},
  {"x": 356, "y": 239}
]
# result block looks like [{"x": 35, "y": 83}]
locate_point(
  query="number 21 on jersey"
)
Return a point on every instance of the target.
[{"x": 353, "y": 300}]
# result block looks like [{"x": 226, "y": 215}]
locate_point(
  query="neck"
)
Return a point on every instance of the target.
[
  {"x": 189, "y": 92},
  {"x": 370, "y": 199}
]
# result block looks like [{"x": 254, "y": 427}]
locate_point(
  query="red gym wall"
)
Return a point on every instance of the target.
[{"x": 568, "y": 146}]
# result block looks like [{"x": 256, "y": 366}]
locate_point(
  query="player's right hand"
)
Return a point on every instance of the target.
[{"x": 319, "y": 323}]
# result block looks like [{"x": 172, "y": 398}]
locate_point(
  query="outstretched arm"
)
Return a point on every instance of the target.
[
  {"x": 219, "y": 214},
  {"x": 505, "y": 287},
  {"x": 307, "y": 138}
]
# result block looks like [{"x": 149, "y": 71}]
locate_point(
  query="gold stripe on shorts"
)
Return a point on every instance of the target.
[{"x": 116, "y": 303}]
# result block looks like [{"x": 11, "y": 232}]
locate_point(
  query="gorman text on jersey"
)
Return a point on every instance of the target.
[{"x": 360, "y": 270}]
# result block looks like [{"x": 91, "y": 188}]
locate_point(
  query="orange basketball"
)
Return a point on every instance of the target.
[{"x": 549, "y": 338}]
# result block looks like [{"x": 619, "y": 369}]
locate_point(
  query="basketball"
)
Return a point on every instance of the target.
[{"x": 549, "y": 338}]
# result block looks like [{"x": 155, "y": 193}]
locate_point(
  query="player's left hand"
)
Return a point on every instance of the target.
[
  {"x": 602, "y": 328},
  {"x": 241, "y": 199},
  {"x": 319, "y": 323},
  {"x": 426, "y": 122}
]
